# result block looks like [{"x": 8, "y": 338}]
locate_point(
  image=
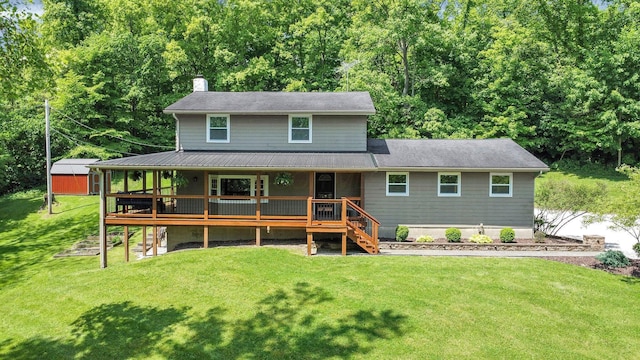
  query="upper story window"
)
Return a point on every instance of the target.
[
  {"x": 397, "y": 184},
  {"x": 300, "y": 128},
  {"x": 501, "y": 185},
  {"x": 218, "y": 128},
  {"x": 449, "y": 184}
]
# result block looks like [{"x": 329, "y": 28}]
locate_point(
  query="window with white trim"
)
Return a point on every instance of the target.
[
  {"x": 218, "y": 128},
  {"x": 501, "y": 185},
  {"x": 449, "y": 184},
  {"x": 397, "y": 184},
  {"x": 300, "y": 128},
  {"x": 238, "y": 185}
]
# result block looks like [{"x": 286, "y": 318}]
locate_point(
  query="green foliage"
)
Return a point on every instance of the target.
[
  {"x": 636, "y": 248},
  {"x": 480, "y": 239},
  {"x": 401, "y": 233},
  {"x": 507, "y": 235},
  {"x": 561, "y": 201},
  {"x": 425, "y": 239},
  {"x": 613, "y": 259},
  {"x": 558, "y": 77},
  {"x": 539, "y": 237},
  {"x": 622, "y": 213},
  {"x": 453, "y": 235}
]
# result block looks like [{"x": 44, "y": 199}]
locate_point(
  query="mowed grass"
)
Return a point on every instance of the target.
[
  {"x": 590, "y": 175},
  {"x": 266, "y": 303}
]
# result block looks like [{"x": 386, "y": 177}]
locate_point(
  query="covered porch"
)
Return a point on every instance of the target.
[{"x": 217, "y": 200}]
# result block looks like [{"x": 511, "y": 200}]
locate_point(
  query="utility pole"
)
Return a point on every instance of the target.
[{"x": 48, "y": 145}]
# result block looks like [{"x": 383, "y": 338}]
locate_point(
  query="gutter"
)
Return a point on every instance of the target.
[
  {"x": 444, "y": 169},
  {"x": 267, "y": 112}
]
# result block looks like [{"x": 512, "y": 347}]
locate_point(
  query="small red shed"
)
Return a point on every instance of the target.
[{"x": 73, "y": 177}]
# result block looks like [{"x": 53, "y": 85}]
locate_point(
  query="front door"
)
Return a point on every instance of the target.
[
  {"x": 325, "y": 185},
  {"x": 325, "y": 189}
]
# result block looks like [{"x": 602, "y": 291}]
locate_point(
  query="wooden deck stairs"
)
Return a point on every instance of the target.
[
  {"x": 362, "y": 229},
  {"x": 362, "y": 239}
]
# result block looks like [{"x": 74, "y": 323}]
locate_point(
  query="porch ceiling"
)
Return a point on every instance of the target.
[{"x": 243, "y": 160}]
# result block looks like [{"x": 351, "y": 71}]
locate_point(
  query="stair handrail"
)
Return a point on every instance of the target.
[
  {"x": 361, "y": 211},
  {"x": 374, "y": 222}
]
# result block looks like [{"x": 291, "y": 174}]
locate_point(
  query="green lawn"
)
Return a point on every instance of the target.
[
  {"x": 265, "y": 303},
  {"x": 590, "y": 174}
]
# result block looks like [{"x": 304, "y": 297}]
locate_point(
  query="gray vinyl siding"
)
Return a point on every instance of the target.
[
  {"x": 347, "y": 184},
  {"x": 270, "y": 133},
  {"x": 423, "y": 206}
]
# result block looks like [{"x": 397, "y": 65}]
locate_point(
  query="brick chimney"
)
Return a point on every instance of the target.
[{"x": 200, "y": 84}]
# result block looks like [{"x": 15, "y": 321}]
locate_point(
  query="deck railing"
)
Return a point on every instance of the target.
[{"x": 146, "y": 205}]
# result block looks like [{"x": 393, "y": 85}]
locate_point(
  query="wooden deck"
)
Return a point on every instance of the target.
[
  {"x": 339, "y": 216},
  {"x": 156, "y": 207}
]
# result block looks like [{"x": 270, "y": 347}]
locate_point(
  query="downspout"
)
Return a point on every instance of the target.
[{"x": 177, "y": 132}]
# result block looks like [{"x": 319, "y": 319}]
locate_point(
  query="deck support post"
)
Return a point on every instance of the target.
[
  {"x": 144, "y": 240},
  {"x": 144, "y": 181},
  {"x": 206, "y": 194},
  {"x": 258, "y": 205},
  {"x": 103, "y": 226},
  {"x": 309, "y": 242},
  {"x": 125, "y": 238},
  {"x": 206, "y": 236},
  {"x": 154, "y": 194},
  {"x": 344, "y": 244},
  {"x": 155, "y": 240}
]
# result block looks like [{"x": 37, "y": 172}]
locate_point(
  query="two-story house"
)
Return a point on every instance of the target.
[{"x": 282, "y": 165}]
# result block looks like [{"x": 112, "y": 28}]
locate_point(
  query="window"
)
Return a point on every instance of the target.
[
  {"x": 397, "y": 184},
  {"x": 501, "y": 185},
  {"x": 449, "y": 184},
  {"x": 299, "y": 128},
  {"x": 238, "y": 185},
  {"x": 218, "y": 128}
]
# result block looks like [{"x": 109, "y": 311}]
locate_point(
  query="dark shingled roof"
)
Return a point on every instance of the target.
[
  {"x": 243, "y": 160},
  {"x": 485, "y": 154},
  {"x": 72, "y": 166},
  {"x": 480, "y": 154},
  {"x": 263, "y": 102}
]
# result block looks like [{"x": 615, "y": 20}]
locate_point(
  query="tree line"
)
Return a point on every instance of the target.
[{"x": 560, "y": 77}]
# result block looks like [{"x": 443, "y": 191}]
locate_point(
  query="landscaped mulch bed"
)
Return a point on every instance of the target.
[
  {"x": 548, "y": 240},
  {"x": 591, "y": 262}
]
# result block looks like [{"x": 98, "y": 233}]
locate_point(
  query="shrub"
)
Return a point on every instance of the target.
[
  {"x": 480, "y": 239},
  {"x": 425, "y": 238},
  {"x": 453, "y": 234},
  {"x": 539, "y": 237},
  {"x": 401, "y": 233},
  {"x": 636, "y": 248},
  {"x": 613, "y": 259},
  {"x": 507, "y": 235}
]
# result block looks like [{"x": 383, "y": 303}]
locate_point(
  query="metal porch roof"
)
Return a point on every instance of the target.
[
  {"x": 243, "y": 160},
  {"x": 72, "y": 166}
]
